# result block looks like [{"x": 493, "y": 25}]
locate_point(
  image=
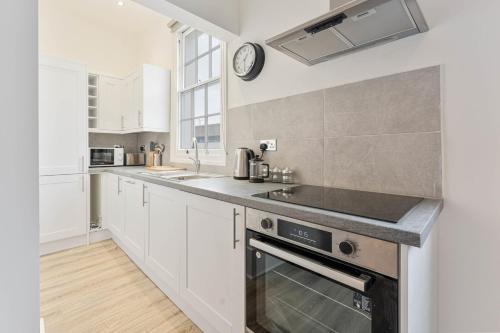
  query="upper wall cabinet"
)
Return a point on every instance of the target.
[
  {"x": 138, "y": 103},
  {"x": 110, "y": 103},
  {"x": 62, "y": 117}
]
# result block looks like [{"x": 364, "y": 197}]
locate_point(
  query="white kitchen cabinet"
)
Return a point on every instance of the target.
[
  {"x": 62, "y": 207},
  {"x": 111, "y": 103},
  {"x": 134, "y": 231},
  {"x": 153, "y": 99},
  {"x": 114, "y": 203},
  {"x": 166, "y": 218},
  {"x": 133, "y": 109},
  {"x": 62, "y": 117},
  {"x": 213, "y": 272},
  {"x": 138, "y": 103}
]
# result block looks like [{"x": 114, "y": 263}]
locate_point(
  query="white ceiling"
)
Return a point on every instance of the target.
[{"x": 129, "y": 18}]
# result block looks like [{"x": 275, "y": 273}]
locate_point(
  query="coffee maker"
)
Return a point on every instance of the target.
[{"x": 259, "y": 170}]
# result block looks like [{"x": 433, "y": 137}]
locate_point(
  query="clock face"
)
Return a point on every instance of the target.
[{"x": 244, "y": 60}]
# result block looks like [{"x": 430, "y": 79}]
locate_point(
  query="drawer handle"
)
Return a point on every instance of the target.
[
  {"x": 144, "y": 188},
  {"x": 235, "y": 214}
]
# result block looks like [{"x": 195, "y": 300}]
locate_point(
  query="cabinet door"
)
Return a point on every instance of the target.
[
  {"x": 156, "y": 99},
  {"x": 133, "y": 110},
  {"x": 212, "y": 276},
  {"x": 62, "y": 117},
  {"x": 111, "y": 94},
  {"x": 167, "y": 215},
  {"x": 62, "y": 207},
  {"x": 134, "y": 216},
  {"x": 114, "y": 205}
]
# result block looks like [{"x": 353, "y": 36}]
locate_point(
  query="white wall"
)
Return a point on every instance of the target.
[
  {"x": 19, "y": 296},
  {"x": 223, "y": 12},
  {"x": 77, "y": 38},
  {"x": 216, "y": 17},
  {"x": 464, "y": 37},
  {"x": 107, "y": 40}
]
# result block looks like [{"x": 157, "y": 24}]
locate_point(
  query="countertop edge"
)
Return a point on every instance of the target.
[{"x": 413, "y": 229}]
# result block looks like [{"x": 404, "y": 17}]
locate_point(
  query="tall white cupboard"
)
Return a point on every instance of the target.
[{"x": 62, "y": 149}]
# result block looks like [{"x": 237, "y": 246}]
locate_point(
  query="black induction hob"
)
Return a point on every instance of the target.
[{"x": 379, "y": 206}]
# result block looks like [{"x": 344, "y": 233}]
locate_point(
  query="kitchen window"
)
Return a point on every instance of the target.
[{"x": 201, "y": 95}]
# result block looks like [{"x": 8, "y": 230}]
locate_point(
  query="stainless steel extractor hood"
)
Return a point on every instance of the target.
[{"x": 348, "y": 26}]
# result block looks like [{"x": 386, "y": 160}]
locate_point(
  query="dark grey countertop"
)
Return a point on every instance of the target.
[{"x": 412, "y": 229}]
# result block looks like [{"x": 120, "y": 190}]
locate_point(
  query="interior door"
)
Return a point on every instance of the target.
[
  {"x": 62, "y": 207},
  {"x": 212, "y": 277},
  {"x": 134, "y": 217},
  {"x": 167, "y": 214},
  {"x": 111, "y": 94},
  {"x": 62, "y": 117}
]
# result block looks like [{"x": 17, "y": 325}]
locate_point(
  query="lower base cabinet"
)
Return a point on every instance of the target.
[
  {"x": 63, "y": 201},
  {"x": 166, "y": 217},
  {"x": 114, "y": 203},
  {"x": 192, "y": 245},
  {"x": 213, "y": 271},
  {"x": 134, "y": 229}
]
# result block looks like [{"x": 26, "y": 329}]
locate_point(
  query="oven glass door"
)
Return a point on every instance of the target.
[
  {"x": 283, "y": 296},
  {"x": 102, "y": 157}
]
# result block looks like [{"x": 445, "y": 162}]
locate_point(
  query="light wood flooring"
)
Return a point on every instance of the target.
[{"x": 98, "y": 289}]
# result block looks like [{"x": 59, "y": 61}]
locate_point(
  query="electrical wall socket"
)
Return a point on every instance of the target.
[{"x": 271, "y": 144}]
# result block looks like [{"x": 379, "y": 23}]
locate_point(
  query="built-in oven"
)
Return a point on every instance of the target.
[
  {"x": 100, "y": 157},
  {"x": 301, "y": 277}
]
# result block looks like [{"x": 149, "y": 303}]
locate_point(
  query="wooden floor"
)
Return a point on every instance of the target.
[{"x": 98, "y": 289}]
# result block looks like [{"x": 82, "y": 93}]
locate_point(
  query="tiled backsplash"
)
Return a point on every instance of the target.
[
  {"x": 128, "y": 141},
  {"x": 382, "y": 134},
  {"x": 131, "y": 142}
]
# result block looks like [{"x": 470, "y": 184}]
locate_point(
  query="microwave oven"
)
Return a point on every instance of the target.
[{"x": 102, "y": 157}]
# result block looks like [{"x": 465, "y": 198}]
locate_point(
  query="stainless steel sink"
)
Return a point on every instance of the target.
[
  {"x": 180, "y": 178},
  {"x": 159, "y": 173}
]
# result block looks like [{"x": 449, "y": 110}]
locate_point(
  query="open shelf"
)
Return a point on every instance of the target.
[
  {"x": 92, "y": 80},
  {"x": 93, "y": 83}
]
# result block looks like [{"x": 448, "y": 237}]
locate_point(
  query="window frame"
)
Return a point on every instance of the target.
[{"x": 208, "y": 156}]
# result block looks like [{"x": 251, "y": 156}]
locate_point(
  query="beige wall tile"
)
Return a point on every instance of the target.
[
  {"x": 402, "y": 103},
  {"x": 239, "y": 124},
  {"x": 400, "y": 163},
  {"x": 293, "y": 117},
  {"x": 304, "y": 157}
]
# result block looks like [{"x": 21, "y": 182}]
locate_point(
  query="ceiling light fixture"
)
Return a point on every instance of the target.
[{"x": 120, "y": 3}]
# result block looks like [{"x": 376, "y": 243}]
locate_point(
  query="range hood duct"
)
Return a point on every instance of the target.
[{"x": 349, "y": 26}]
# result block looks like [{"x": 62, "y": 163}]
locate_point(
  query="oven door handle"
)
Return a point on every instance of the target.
[{"x": 358, "y": 283}]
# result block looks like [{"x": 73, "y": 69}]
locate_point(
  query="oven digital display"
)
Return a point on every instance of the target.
[{"x": 306, "y": 235}]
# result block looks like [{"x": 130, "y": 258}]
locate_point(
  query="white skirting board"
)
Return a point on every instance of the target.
[
  {"x": 63, "y": 244},
  {"x": 98, "y": 236},
  {"x": 69, "y": 243}
]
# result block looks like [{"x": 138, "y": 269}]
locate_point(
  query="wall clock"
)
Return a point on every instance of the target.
[{"x": 248, "y": 61}]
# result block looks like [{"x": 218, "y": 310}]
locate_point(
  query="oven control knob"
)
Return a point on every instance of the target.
[
  {"x": 347, "y": 247},
  {"x": 266, "y": 223}
]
